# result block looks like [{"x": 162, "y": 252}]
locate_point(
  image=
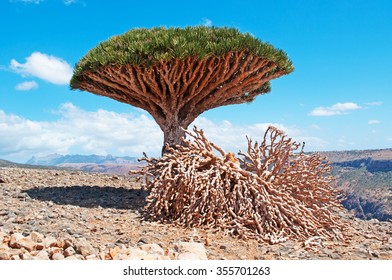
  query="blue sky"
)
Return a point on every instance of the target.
[{"x": 338, "y": 98}]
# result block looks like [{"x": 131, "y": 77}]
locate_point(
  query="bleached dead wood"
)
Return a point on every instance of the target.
[{"x": 269, "y": 193}]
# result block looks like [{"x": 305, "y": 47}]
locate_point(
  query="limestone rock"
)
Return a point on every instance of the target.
[
  {"x": 15, "y": 237},
  {"x": 15, "y": 257},
  {"x": 142, "y": 241},
  {"x": 153, "y": 257},
  {"x": 70, "y": 251},
  {"x": 50, "y": 241},
  {"x": 42, "y": 255},
  {"x": 114, "y": 253},
  {"x": 191, "y": 250},
  {"x": 152, "y": 249},
  {"x": 57, "y": 256},
  {"x": 189, "y": 256},
  {"x": 84, "y": 248},
  {"x": 26, "y": 243},
  {"x": 92, "y": 257},
  {"x": 135, "y": 254},
  {"x": 3, "y": 237},
  {"x": 67, "y": 243},
  {"x": 71, "y": 258},
  {"x": 37, "y": 237},
  {"x": 4, "y": 255},
  {"x": 26, "y": 256}
]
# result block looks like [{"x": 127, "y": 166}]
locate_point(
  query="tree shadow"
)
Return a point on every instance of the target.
[{"x": 91, "y": 196}]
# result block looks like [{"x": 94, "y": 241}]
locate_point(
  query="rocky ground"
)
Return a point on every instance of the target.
[{"x": 56, "y": 214}]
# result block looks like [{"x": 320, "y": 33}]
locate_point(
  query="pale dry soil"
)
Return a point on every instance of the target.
[{"x": 106, "y": 210}]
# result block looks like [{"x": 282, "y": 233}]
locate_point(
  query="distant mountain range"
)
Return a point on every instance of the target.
[
  {"x": 89, "y": 163},
  {"x": 57, "y": 159},
  {"x": 366, "y": 179}
]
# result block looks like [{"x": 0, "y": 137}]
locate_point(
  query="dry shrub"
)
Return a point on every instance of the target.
[{"x": 270, "y": 193}]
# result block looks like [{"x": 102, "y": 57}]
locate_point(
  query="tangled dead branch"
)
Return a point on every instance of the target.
[{"x": 270, "y": 193}]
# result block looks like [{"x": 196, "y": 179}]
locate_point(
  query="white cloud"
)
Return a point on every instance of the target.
[
  {"x": 77, "y": 131},
  {"x": 26, "y": 86},
  {"x": 49, "y": 68},
  {"x": 337, "y": 109},
  {"x": 206, "y": 22},
  {"x": 373, "y": 122}
]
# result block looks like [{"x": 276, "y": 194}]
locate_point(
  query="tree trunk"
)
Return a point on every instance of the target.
[{"x": 172, "y": 134}]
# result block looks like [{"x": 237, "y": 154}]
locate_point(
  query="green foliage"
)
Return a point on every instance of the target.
[{"x": 145, "y": 47}]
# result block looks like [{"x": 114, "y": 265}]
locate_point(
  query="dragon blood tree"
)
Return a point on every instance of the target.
[{"x": 176, "y": 74}]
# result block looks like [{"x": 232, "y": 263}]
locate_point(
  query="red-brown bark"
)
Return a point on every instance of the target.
[{"x": 176, "y": 92}]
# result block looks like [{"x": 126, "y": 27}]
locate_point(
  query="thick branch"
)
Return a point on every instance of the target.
[
  {"x": 270, "y": 194},
  {"x": 184, "y": 87}
]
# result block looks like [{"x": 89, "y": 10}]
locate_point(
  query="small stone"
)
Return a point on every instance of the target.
[
  {"x": 110, "y": 245},
  {"x": 79, "y": 257},
  {"x": 222, "y": 247},
  {"x": 122, "y": 246},
  {"x": 11, "y": 215},
  {"x": 50, "y": 241},
  {"x": 84, "y": 248},
  {"x": 52, "y": 215},
  {"x": 188, "y": 256},
  {"x": 196, "y": 251},
  {"x": 54, "y": 250},
  {"x": 15, "y": 237},
  {"x": 123, "y": 240},
  {"x": 37, "y": 237},
  {"x": 23, "y": 196},
  {"x": 57, "y": 256},
  {"x": 152, "y": 249},
  {"x": 3, "y": 212},
  {"x": 375, "y": 254},
  {"x": 67, "y": 243},
  {"x": 15, "y": 257},
  {"x": 143, "y": 240},
  {"x": 152, "y": 257},
  {"x": 268, "y": 256},
  {"x": 4, "y": 256},
  {"x": 3, "y": 180},
  {"x": 2, "y": 233},
  {"x": 70, "y": 251},
  {"x": 26, "y": 256},
  {"x": 71, "y": 258},
  {"x": 171, "y": 254},
  {"x": 92, "y": 257},
  {"x": 135, "y": 254},
  {"x": 113, "y": 252},
  {"x": 28, "y": 244},
  {"x": 42, "y": 255}
]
